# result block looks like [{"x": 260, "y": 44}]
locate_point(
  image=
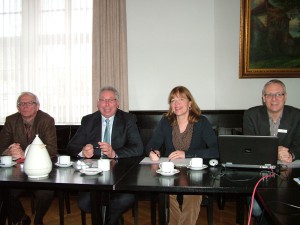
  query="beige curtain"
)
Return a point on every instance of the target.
[{"x": 110, "y": 48}]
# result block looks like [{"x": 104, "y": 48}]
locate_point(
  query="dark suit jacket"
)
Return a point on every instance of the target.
[
  {"x": 13, "y": 132},
  {"x": 203, "y": 144},
  {"x": 125, "y": 137},
  {"x": 256, "y": 122}
]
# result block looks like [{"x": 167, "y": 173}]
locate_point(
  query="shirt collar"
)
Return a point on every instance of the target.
[{"x": 111, "y": 119}]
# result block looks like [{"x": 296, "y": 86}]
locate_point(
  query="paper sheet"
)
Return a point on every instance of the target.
[{"x": 177, "y": 162}]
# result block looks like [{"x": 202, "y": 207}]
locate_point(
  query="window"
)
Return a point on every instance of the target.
[{"x": 46, "y": 48}]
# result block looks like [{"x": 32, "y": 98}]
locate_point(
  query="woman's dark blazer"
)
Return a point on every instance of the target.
[{"x": 203, "y": 144}]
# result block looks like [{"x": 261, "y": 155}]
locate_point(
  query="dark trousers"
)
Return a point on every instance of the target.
[
  {"x": 43, "y": 199},
  {"x": 119, "y": 204},
  {"x": 3, "y": 205},
  {"x": 257, "y": 212}
]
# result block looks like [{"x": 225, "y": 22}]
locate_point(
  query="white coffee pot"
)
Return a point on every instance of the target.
[{"x": 37, "y": 160}]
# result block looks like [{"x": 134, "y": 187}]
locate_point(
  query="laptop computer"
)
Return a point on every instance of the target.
[{"x": 247, "y": 151}]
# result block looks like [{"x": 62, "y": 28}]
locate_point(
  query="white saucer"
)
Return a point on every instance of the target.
[
  {"x": 90, "y": 171},
  {"x": 6, "y": 166},
  {"x": 168, "y": 173},
  {"x": 197, "y": 168},
  {"x": 64, "y": 165}
]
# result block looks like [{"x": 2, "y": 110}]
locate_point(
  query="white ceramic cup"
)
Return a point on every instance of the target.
[
  {"x": 6, "y": 160},
  {"x": 64, "y": 160},
  {"x": 104, "y": 164},
  {"x": 196, "y": 162},
  {"x": 166, "y": 167}
]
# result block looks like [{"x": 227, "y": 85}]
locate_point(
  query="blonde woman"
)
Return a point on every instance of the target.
[{"x": 184, "y": 133}]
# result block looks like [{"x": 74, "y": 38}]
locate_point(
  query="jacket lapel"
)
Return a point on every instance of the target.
[
  {"x": 116, "y": 129},
  {"x": 264, "y": 126}
]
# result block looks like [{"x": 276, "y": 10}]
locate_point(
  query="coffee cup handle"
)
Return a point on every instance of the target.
[{"x": 159, "y": 166}]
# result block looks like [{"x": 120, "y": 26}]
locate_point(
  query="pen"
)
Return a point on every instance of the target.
[{"x": 154, "y": 152}]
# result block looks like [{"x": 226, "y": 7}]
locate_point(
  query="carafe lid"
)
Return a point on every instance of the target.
[{"x": 37, "y": 140}]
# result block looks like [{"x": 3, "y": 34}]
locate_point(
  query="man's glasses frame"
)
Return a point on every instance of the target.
[
  {"x": 276, "y": 95},
  {"x": 109, "y": 100},
  {"x": 22, "y": 104}
]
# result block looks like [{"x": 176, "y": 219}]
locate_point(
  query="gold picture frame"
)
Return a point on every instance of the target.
[{"x": 269, "y": 39}]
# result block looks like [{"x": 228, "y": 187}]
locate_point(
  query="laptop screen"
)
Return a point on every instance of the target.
[{"x": 247, "y": 151}]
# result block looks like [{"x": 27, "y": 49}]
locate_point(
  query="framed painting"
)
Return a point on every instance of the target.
[{"x": 269, "y": 39}]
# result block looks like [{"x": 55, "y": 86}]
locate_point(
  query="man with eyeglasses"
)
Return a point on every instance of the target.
[
  {"x": 17, "y": 133},
  {"x": 274, "y": 118},
  {"x": 107, "y": 133}
]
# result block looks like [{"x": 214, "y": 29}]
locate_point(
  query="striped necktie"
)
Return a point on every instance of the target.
[{"x": 27, "y": 131}]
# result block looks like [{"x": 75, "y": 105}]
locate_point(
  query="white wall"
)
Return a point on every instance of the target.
[{"x": 194, "y": 43}]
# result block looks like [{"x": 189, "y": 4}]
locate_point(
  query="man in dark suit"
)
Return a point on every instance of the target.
[
  {"x": 17, "y": 133},
  {"x": 109, "y": 133},
  {"x": 274, "y": 118}
]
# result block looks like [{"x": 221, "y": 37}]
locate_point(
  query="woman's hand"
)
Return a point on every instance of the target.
[
  {"x": 178, "y": 154},
  {"x": 154, "y": 155}
]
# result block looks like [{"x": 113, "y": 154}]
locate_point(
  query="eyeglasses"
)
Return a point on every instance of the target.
[
  {"x": 276, "y": 95},
  {"x": 22, "y": 104},
  {"x": 109, "y": 100}
]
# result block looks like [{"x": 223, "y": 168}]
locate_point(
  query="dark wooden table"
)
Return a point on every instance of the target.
[
  {"x": 69, "y": 179},
  {"x": 212, "y": 180},
  {"x": 130, "y": 176},
  {"x": 282, "y": 204}
]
